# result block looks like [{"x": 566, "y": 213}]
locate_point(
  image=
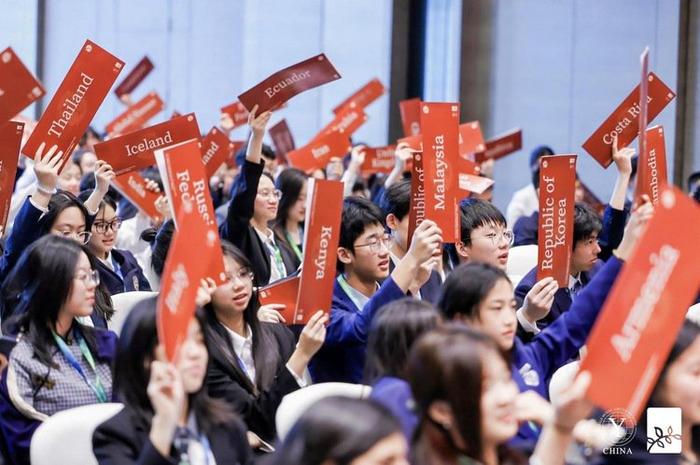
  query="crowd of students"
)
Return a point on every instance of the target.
[{"x": 459, "y": 358}]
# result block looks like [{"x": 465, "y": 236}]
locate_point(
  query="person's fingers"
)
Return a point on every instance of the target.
[
  {"x": 614, "y": 144},
  {"x": 278, "y": 316},
  {"x": 39, "y": 152}
]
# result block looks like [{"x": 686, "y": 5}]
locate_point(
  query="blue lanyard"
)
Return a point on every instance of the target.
[
  {"x": 97, "y": 386},
  {"x": 182, "y": 445}
]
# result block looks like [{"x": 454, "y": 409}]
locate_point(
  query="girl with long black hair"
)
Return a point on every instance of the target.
[{"x": 291, "y": 211}]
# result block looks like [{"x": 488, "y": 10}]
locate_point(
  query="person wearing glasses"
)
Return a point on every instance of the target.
[
  {"x": 253, "y": 363},
  {"x": 59, "y": 362},
  {"x": 253, "y": 206},
  {"x": 119, "y": 270},
  {"x": 363, "y": 263}
]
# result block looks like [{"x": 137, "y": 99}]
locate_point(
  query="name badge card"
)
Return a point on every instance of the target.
[
  {"x": 18, "y": 87},
  {"x": 471, "y": 140},
  {"x": 440, "y": 125},
  {"x": 363, "y": 97},
  {"x": 237, "y": 112},
  {"x": 410, "y": 116},
  {"x": 135, "y": 150},
  {"x": 651, "y": 171},
  {"x": 646, "y": 307},
  {"x": 10, "y": 142},
  {"x": 324, "y": 207},
  {"x": 216, "y": 149},
  {"x": 186, "y": 182},
  {"x": 181, "y": 277},
  {"x": 76, "y": 101},
  {"x": 555, "y": 232},
  {"x": 624, "y": 121},
  {"x": 502, "y": 145},
  {"x": 282, "y": 140},
  {"x": 133, "y": 186},
  {"x": 137, "y": 115},
  {"x": 283, "y": 292},
  {"x": 345, "y": 123},
  {"x": 416, "y": 214},
  {"x": 291, "y": 81},
  {"x": 135, "y": 77},
  {"x": 318, "y": 153},
  {"x": 378, "y": 160}
]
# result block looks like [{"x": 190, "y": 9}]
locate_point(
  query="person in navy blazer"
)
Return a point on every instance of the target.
[{"x": 363, "y": 261}]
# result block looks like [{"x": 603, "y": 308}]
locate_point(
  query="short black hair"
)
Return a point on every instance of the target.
[
  {"x": 586, "y": 223},
  {"x": 358, "y": 213},
  {"x": 268, "y": 153},
  {"x": 397, "y": 199},
  {"x": 475, "y": 213},
  {"x": 693, "y": 179},
  {"x": 466, "y": 287}
]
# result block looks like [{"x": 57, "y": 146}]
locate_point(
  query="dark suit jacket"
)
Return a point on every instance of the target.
[
  {"x": 237, "y": 229},
  {"x": 134, "y": 279},
  {"x": 227, "y": 381},
  {"x": 430, "y": 291},
  {"x": 123, "y": 440}
]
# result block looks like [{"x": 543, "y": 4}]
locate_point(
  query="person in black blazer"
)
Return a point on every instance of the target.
[
  {"x": 253, "y": 205},
  {"x": 254, "y": 364},
  {"x": 167, "y": 416}
]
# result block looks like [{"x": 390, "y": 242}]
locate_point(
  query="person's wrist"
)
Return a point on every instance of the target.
[{"x": 46, "y": 190}]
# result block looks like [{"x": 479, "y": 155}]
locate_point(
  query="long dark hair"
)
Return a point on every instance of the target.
[
  {"x": 446, "y": 365},
  {"x": 41, "y": 283},
  {"x": 136, "y": 351},
  {"x": 394, "y": 330},
  {"x": 466, "y": 287},
  {"x": 266, "y": 350},
  {"x": 335, "y": 430},
  {"x": 290, "y": 183},
  {"x": 59, "y": 202}
]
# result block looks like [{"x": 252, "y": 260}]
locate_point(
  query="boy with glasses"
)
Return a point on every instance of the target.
[{"x": 363, "y": 263}]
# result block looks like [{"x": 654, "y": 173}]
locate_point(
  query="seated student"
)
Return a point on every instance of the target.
[
  {"x": 394, "y": 331},
  {"x": 343, "y": 431},
  {"x": 167, "y": 415},
  {"x": 396, "y": 204},
  {"x": 119, "y": 270},
  {"x": 58, "y": 363},
  {"x": 615, "y": 215},
  {"x": 253, "y": 363},
  {"x": 289, "y": 224},
  {"x": 526, "y": 201},
  {"x": 69, "y": 179},
  {"x": 253, "y": 206},
  {"x": 159, "y": 240},
  {"x": 363, "y": 262},
  {"x": 466, "y": 400},
  {"x": 86, "y": 160},
  {"x": 481, "y": 295},
  {"x": 677, "y": 386}
]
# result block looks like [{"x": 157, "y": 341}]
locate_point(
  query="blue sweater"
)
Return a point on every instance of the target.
[{"x": 342, "y": 357}]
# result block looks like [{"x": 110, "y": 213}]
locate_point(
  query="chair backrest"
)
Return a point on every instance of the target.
[
  {"x": 521, "y": 260},
  {"x": 123, "y": 303},
  {"x": 294, "y": 404},
  {"x": 66, "y": 437}
]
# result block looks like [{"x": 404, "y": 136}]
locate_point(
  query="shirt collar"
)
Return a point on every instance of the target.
[
  {"x": 239, "y": 342},
  {"x": 266, "y": 236},
  {"x": 575, "y": 279}
]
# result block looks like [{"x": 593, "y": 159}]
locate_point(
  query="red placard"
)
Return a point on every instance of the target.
[
  {"x": 378, "y": 160},
  {"x": 321, "y": 237},
  {"x": 624, "y": 121},
  {"x": 410, "y": 116},
  {"x": 181, "y": 276},
  {"x": 345, "y": 123},
  {"x": 10, "y": 142},
  {"x": 502, "y": 145},
  {"x": 413, "y": 142},
  {"x": 216, "y": 149},
  {"x": 133, "y": 186},
  {"x": 416, "y": 214},
  {"x": 471, "y": 140},
  {"x": 237, "y": 112},
  {"x": 285, "y": 292},
  {"x": 474, "y": 183},
  {"x": 318, "y": 153},
  {"x": 237, "y": 145},
  {"x": 363, "y": 97},
  {"x": 134, "y": 151},
  {"x": 135, "y": 77},
  {"x": 136, "y": 115},
  {"x": 647, "y": 305},
  {"x": 555, "y": 233},
  {"x": 185, "y": 181},
  {"x": 291, "y": 81},
  {"x": 440, "y": 125},
  {"x": 282, "y": 140},
  {"x": 651, "y": 169},
  {"x": 18, "y": 87},
  {"x": 76, "y": 101}
]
